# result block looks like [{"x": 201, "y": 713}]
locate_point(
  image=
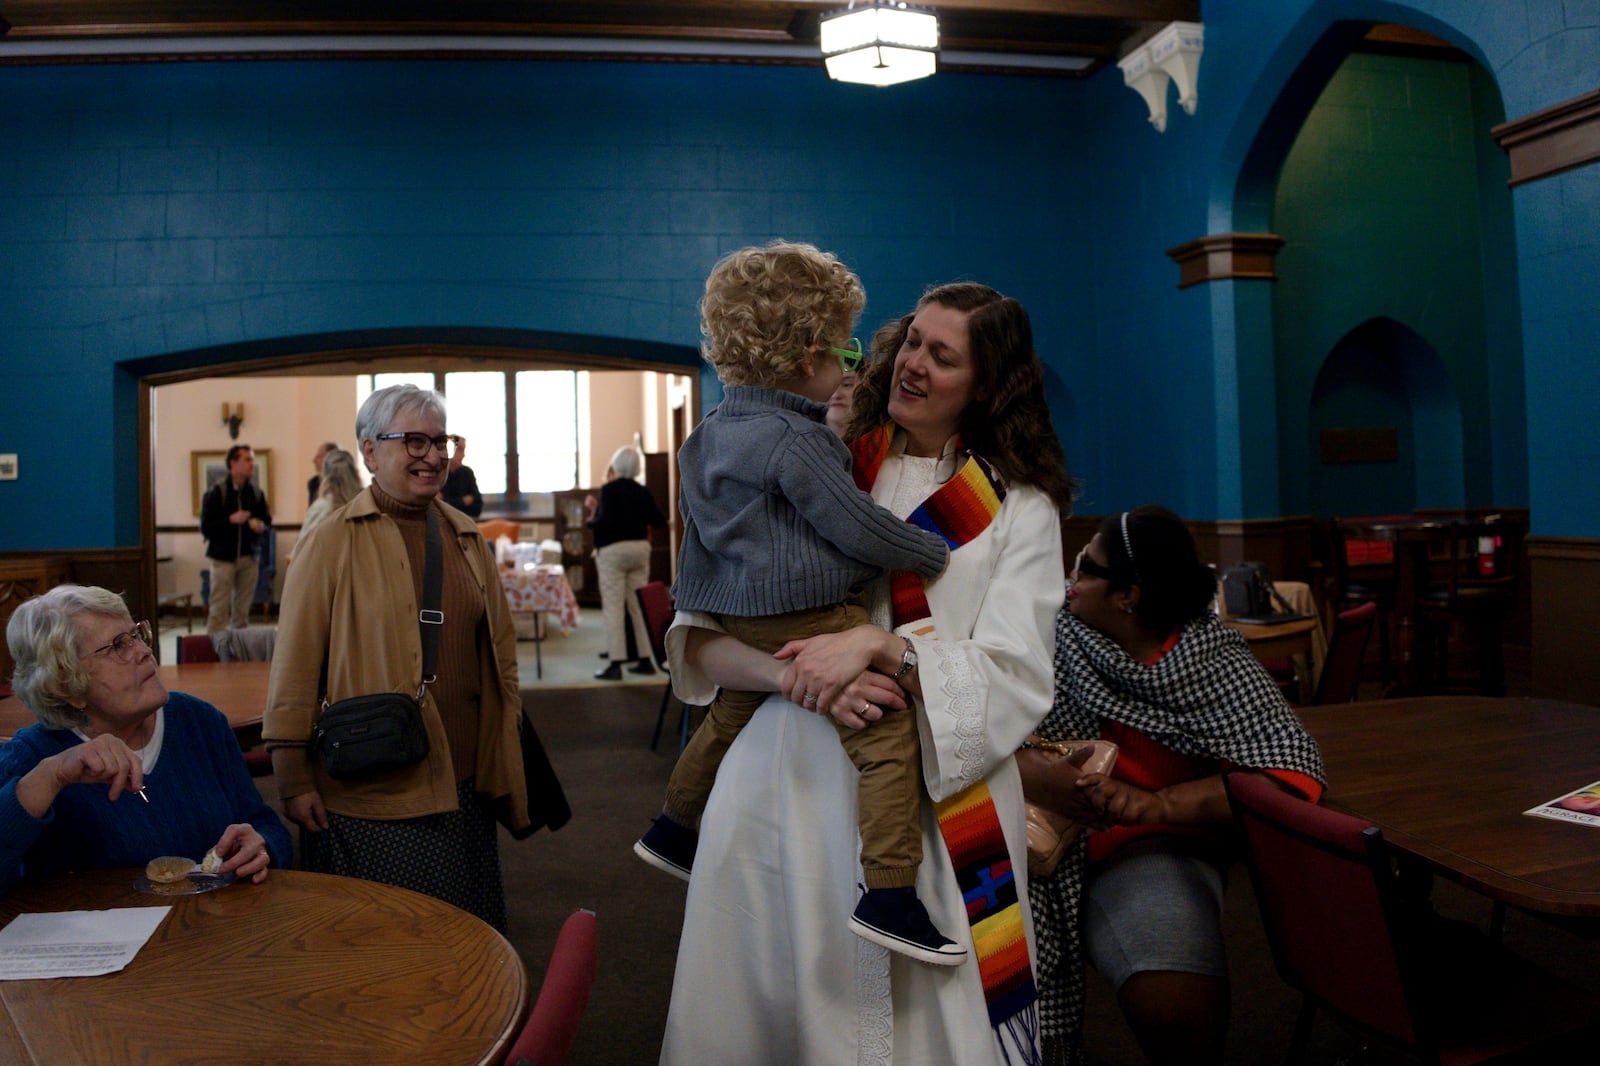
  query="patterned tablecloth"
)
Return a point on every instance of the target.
[{"x": 541, "y": 588}]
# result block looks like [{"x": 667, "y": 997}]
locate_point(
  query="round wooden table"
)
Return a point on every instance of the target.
[{"x": 303, "y": 968}]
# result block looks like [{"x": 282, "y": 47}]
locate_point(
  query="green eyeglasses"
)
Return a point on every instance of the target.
[{"x": 850, "y": 358}]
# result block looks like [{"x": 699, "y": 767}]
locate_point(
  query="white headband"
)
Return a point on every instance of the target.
[{"x": 1127, "y": 544}]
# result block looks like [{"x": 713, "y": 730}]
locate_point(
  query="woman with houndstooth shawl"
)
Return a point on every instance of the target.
[{"x": 1141, "y": 659}]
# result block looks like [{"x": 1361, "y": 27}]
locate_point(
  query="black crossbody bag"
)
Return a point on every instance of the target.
[{"x": 367, "y": 735}]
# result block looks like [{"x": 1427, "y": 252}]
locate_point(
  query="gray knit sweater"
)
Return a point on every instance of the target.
[{"x": 773, "y": 521}]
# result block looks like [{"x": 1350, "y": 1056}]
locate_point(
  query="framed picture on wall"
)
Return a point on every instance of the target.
[{"x": 208, "y": 468}]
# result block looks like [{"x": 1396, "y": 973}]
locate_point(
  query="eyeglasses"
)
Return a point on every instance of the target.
[
  {"x": 1087, "y": 567},
  {"x": 128, "y": 646},
  {"x": 419, "y": 444},
  {"x": 849, "y": 358}
]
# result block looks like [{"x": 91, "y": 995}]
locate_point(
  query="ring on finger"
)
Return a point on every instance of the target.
[
  {"x": 810, "y": 700},
  {"x": 865, "y": 707}
]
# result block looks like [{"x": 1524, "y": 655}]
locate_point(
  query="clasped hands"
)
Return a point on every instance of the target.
[
  {"x": 832, "y": 674},
  {"x": 1097, "y": 800}
]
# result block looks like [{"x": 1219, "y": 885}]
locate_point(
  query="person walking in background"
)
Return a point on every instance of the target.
[
  {"x": 315, "y": 484},
  {"x": 461, "y": 486},
  {"x": 621, "y": 519},
  {"x": 340, "y": 483},
  {"x": 349, "y": 627},
  {"x": 233, "y": 515}
]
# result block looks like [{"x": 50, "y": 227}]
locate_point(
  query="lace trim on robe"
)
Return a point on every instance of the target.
[
  {"x": 874, "y": 1009},
  {"x": 965, "y": 707}
]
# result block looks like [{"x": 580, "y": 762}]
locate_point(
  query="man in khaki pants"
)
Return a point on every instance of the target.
[{"x": 232, "y": 516}]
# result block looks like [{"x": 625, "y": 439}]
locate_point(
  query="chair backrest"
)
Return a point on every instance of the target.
[
  {"x": 253, "y": 644},
  {"x": 563, "y": 995},
  {"x": 1484, "y": 555},
  {"x": 1323, "y": 884},
  {"x": 655, "y": 601},
  {"x": 1347, "y": 647},
  {"x": 495, "y": 528},
  {"x": 197, "y": 648}
]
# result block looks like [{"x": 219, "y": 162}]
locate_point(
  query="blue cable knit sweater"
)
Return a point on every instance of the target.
[
  {"x": 199, "y": 787},
  {"x": 773, "y": 520}
]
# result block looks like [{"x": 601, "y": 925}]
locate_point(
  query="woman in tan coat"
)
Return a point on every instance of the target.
[{"x": 349, "y": 627}]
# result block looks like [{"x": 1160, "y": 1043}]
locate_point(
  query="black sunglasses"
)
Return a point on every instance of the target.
[{"x": 1087, "y": 567}]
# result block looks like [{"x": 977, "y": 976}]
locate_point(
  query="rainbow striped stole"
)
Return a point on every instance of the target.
[
  {"x": 989, "y": 888},
  {"x": 958, "y": 511}
]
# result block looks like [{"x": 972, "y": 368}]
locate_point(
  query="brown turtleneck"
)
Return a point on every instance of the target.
[{"x": 456, "y": 693}]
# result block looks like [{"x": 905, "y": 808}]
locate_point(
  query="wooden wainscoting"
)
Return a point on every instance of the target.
[
  {"x": 1565, "y": 600},
  {"x": 24, "y": 575}
]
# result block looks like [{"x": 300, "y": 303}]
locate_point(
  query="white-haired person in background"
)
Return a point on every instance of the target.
[
  {"x": 621, "y": 519},
  {"x": 118, "y": 771}
]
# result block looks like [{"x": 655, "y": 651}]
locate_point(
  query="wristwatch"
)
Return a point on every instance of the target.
[{"x": 908, "y": 660}]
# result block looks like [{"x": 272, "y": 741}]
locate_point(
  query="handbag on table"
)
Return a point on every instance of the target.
[
  {"x": 1050, "y": 834},
  {"x": 366, "y": 735}
]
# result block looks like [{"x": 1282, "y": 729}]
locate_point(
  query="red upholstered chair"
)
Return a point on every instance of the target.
[
  {"x": 1347, "y": 647},
  {"x": 1374, "y": 582},
  {"x": 197, "y": 648},
  {"x": 655, "y": 600},
  {"x": 563, "y": 995},
  {"x": 1384, "y": 966}
]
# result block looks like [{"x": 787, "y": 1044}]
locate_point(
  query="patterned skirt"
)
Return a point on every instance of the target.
[{"x": 454, "y": 856}]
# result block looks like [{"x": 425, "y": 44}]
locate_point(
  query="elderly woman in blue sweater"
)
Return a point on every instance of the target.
[{"x": 70, "y": 786}]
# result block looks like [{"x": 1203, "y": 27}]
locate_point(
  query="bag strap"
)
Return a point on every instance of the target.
[{"x": 431, "y": 618}]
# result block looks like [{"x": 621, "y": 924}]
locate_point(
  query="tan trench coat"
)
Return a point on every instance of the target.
[{"x": 349, "y": 599}]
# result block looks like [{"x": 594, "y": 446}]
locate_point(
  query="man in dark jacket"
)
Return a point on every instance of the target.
[
  {"x": 461, "y": 485},
  {"x": 232, "y": 515}
]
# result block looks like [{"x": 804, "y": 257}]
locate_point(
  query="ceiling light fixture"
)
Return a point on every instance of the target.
[{"x": 880, "y": 42}]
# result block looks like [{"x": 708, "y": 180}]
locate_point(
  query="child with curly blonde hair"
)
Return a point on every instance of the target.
[{"x": 778, "y": 542}]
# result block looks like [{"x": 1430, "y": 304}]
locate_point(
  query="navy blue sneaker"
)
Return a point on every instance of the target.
[
  {"x": 668, "y": 846},
  {"x": 896, "y": 918}
]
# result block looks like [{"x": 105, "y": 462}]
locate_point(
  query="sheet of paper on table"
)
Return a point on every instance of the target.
[
  {"x": 1580, "y": 807},
  {"x": 75, "y": 943}
]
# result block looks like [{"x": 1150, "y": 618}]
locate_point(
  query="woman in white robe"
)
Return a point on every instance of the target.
[{"x": 768, "y": 970}]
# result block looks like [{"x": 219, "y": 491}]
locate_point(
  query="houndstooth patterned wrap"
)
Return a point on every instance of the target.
[{"x": 1207, "y": 697}]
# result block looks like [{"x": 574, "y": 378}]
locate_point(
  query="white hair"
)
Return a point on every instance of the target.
[
  {"x": 43, "y": 636},
  {"x": 626, "y": 462}
]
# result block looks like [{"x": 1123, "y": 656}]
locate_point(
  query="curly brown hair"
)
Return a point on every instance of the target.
[
  {"x": 763, "y": 305},
  {"x": 1011, "y": 426}
]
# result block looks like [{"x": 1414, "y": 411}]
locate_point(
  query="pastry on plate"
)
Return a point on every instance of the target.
[{"x": 168, "y": 869}]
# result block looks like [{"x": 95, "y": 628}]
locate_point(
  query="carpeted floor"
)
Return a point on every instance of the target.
[{"x": 598, "y": 739}]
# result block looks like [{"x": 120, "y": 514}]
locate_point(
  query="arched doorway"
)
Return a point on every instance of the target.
[
  {"x": 366, "y": 352},
  {"x": 1384, "y": 426},
  {"x": 1373, "y": 160}
]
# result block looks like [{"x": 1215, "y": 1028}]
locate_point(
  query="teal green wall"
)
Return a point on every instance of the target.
[{"x": 1391, "y": 209}]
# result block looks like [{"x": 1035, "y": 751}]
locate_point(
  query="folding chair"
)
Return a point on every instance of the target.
[{"x": 656, "y": 602}]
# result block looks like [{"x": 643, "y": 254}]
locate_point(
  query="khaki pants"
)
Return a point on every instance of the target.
[
  {"x": 233, "y": 586},
  {"x": 889, "y": 794},
  {"x": 623, "y": 567}
]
